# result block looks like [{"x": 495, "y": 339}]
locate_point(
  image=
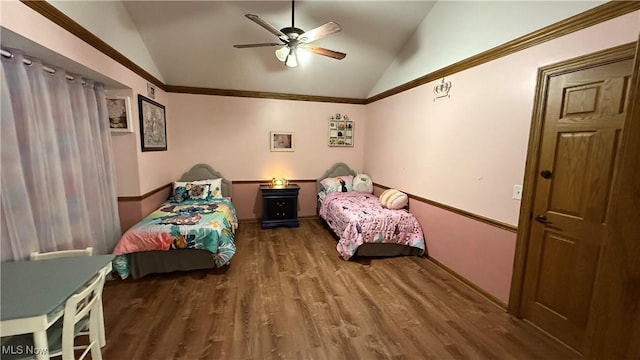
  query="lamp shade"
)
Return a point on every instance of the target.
[
  {"x": 292, "y": 59},
  {"x": 287, "y": 54},
  {"x": 282, "y": 53}
]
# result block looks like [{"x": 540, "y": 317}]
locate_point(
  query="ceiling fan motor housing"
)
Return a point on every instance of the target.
[{"x": 292, "y": 32}]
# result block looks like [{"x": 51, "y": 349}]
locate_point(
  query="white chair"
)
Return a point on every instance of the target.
[
  {"x": 80, "y": 310},
  {"x": 68, "y": 253}
]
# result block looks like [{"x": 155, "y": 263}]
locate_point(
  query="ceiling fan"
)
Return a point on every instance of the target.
[{"x": 292, "y": 39}]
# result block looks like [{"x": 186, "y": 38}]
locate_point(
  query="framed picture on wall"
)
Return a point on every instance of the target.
[
  {"x": 281, "y": 141},
  {"x": 119, "y": 113},
  {"x": 151, "y": 91},
  {"x": 341, "y": 131},
  {"x": 153, "y": 125}
]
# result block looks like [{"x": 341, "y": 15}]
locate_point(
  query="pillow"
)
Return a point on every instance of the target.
[
  {"x": 183, "y": 191},
  {"x": 338, "y": 184},
  {"x": 363, "y": 183},
  {"x": 393, "y": 199},
  {"x": 215, "y": 187}
]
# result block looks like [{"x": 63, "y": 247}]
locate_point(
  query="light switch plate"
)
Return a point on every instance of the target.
[{"x": 517, "y": 192}]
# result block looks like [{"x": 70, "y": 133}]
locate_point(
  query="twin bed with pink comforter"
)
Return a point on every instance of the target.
[{"x": 364, "y": 227}]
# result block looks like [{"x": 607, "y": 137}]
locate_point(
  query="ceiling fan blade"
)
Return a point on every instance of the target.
[
  {"x": 256, "y": 19},
  {"x": 322, "y": 51},
  {"x": 242, "y": 46},
  {"x": 320, "y": 32}
]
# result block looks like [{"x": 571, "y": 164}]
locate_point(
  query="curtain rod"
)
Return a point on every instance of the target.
[{"x": 25, "y": 61}]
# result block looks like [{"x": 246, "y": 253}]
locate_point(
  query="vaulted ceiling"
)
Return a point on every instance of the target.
[
  {"x": 388, "y": 43},
  {"x": 191, "y": 43}
]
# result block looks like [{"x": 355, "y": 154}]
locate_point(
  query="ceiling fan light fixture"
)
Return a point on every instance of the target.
[
  {"x": 282, "y": 53},
  {"x": 292, "y": 58}
]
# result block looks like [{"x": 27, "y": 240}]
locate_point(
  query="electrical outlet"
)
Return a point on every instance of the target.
[{"x": 517, "y": 192}]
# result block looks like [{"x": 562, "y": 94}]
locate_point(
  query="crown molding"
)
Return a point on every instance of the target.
[
  {"x": 583, "y": 20},
  {"x": 262, "y": 95},
  {"x": 58, "y": 17}
]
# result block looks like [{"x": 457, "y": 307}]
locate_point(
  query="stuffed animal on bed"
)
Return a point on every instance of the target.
[{"x": 362, "y": 183}]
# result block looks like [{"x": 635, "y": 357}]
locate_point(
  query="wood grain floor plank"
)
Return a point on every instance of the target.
[{"x": 288, "y": 295}]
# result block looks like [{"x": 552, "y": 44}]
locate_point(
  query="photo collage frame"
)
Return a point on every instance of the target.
[{"x": 341, "y": 130}]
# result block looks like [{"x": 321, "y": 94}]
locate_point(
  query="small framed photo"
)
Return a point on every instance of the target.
[
  {"x": 281, "y": 141},
  {"x": 151, "y": 91},
  {"x": 153, "y": 125},
  {"x": 119, "y": 113},
  {"x": 333, "y": 125}
]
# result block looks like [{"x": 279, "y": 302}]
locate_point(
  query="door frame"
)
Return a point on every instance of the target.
[{"x": 608, "y": 56}]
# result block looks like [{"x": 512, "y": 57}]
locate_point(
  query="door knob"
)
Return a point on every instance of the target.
[
  {"x": 546, "y": 174},
  {"x": 543, "y": 219},
  {"x": 547, "y": 224}
]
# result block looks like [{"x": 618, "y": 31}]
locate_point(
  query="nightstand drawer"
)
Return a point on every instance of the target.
[{"x": 279, "y": 206}]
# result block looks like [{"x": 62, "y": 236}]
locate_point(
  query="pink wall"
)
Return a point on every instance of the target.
[
  {"x": 477, "y": 251},
  {"x": 232, "y": 135},
  {"x": 248, "y": 200},
  {"x": 481, "y": 253},
  {"x": 469, "y": 150},
  {"x": 132, "y": 211}
]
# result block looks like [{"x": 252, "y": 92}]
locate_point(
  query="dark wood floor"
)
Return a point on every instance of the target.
[{"x": 288, "y": 295}]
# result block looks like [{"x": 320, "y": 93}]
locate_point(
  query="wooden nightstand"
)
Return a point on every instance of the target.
[{"x": 279, "y": 206}]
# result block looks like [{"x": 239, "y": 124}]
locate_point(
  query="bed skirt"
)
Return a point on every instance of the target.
[
  {"x": 148, "y": 262},
  {"x": 379, "y": 249},
  {"x": 386, "y": 250}
]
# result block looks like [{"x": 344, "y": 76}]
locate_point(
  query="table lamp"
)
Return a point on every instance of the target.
[{"x": 281, "y": 182}]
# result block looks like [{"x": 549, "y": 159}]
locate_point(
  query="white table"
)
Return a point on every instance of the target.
[{"x": 32, "y": 289}]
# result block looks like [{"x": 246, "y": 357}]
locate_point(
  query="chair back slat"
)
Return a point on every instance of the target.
[{"x": 60, "y": 254}]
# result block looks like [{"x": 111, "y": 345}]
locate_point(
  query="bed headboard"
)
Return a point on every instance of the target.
[
  {"x": 204, "y": 172},
  {"x": 338, "y": 169}
]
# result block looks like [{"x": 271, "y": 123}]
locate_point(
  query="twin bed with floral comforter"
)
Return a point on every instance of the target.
[
  {"x": 362, "y": 225},
  {"x": 194, "y": 229},
  {"x": 358, "y": 218},
  {"x": 205, "y": 224}
]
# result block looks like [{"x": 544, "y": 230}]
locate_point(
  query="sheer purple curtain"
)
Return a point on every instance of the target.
[{"x": 57, "y": 180}]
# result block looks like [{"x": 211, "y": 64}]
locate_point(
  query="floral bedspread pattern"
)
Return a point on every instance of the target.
[
  {"x": 358, "y": 218},
  {"x": 195, "y": 224}
]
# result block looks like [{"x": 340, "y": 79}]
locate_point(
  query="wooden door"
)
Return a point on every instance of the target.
[{"x": 582, "y": 126}]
